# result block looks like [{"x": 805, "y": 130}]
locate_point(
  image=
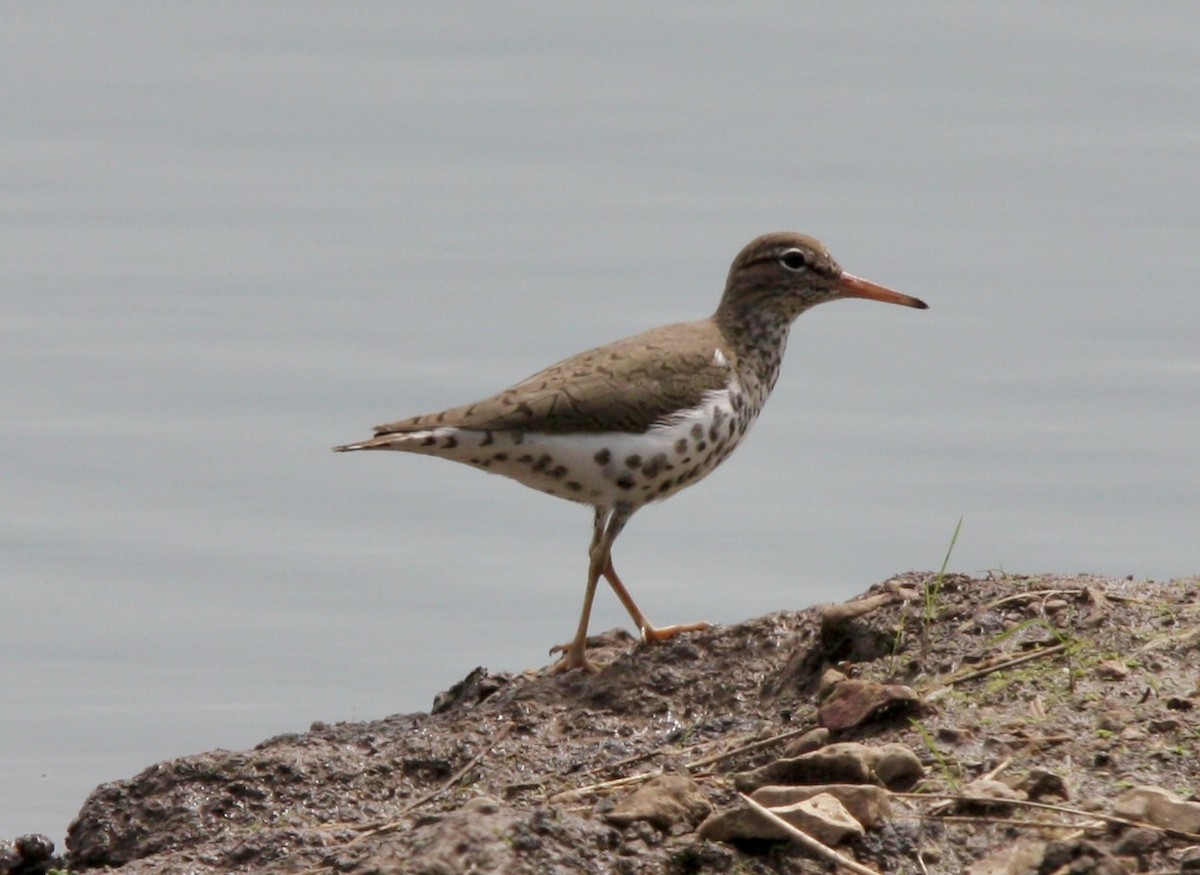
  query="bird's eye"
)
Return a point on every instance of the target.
[{"x": 794, "y": 259}]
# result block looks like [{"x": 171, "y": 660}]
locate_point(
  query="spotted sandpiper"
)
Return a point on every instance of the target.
[{"x": 636, "y": 421}]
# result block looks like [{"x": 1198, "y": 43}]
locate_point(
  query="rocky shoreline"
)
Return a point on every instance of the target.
[{"x": 937, "y": 724}]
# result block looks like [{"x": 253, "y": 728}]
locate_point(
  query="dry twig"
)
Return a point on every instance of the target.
[
  {"x": 615, "y": 783},
  {"x": 1003, "y": 664},
  {"x": 1061, "y": 809}
]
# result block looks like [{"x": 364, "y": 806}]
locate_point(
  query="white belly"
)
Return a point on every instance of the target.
[{"x": 601, "y": 469}]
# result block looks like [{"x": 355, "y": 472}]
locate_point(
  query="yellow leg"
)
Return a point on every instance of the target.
[
  {"x": 649, "y": 631},
  {"x": 605, "y": 528},
  {"x": 574, "y": 654}
]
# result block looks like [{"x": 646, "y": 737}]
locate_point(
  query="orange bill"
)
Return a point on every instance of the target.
[{"x": 855, "y": 287}]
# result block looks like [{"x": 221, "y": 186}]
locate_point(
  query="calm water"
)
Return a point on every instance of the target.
[{"x": 234, "y": 236}]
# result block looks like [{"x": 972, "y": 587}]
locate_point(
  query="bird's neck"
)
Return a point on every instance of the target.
[{"x": 759, "y": 340}]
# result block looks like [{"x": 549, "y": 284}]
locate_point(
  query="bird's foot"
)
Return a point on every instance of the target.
[
  {"x": 654, "y": 634},
  {"x": 569, "y": 661},
  {"x": 572, "y": 657}
]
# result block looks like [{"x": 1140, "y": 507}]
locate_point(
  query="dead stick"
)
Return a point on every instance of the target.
[
  {"x": 690, "y": 766},
  {"x": 1077, "y": 812},
  {"x": 755, "y": 745},
  {"x": 1013, "y": 821},
  {"x": 1008, "y": 663},
  {"x": 604, "y": 785}
]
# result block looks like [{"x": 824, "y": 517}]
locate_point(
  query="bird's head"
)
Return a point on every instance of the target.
[{"x": 779, "y": 276}]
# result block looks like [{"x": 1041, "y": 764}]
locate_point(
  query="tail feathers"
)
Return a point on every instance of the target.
[{"x": 381, "y": 442}]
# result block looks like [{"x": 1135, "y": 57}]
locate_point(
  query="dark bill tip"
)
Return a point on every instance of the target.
[{"x": 856, "y": 287}]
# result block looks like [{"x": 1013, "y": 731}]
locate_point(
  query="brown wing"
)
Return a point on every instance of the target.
[{"x": 624, "y": 386}]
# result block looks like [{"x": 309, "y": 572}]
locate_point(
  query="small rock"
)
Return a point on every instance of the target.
[
  {"x": 10, "y": 858},
  {"x": 481, "y": 805},
  {"x": 1012, "y": 859},
  {"x": 1166, "y": 724},
  {"x": 986, "y": 795},
  {"x": 851, "y": 703},
  {"x": 27, "y": 855},
  {"x": 662, "y": 802},
  {"x": 830, "y": 678},
  {"x": 1160, "y": 808},
  {"x": 1055, "y": 606},
  {"x": 35, "y": 848},
  {"x": 1079, "y": 856},
  {"x": 738, "y": 823},
  {"x": 893, "y": 765},
  {"x": 1097, "y": 610},
  {"x": 1136, "y": 842},
  {"x": 1114, "y": 719},
  {"x": 954, "y": 734},
  {"x": 809, "y": 741},
  {"x": 471, "y": 690},
  {"x": 868, "y": 804},
  {"x": 1039, "y": 783},
  {"x": 703, "y": 857},
  {"x": 1112, "y": 670},
  {"x": 822, "y": 816}
]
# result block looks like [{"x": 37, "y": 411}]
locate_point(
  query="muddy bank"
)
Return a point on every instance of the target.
[{"x": 1009, "y": 724}]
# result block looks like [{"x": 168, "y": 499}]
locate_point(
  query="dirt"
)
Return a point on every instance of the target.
[{"x": 968, "y": 759}]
